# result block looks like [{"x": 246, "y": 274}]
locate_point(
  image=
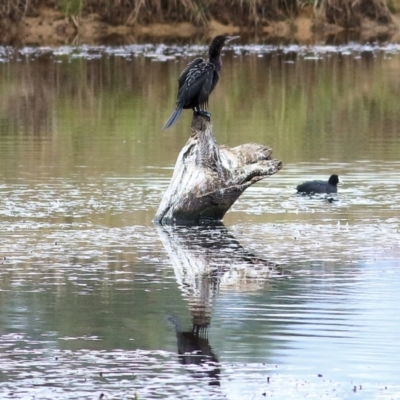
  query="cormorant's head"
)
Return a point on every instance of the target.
[
  {"x": 218, "y": 42},
  {"x": 334, "y": 180}
]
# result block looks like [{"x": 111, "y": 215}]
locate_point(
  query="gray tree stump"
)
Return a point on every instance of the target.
[{"x": 209, "y": 178}]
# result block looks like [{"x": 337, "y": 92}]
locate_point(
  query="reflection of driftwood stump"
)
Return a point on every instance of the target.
[
  {"x": 208, "y": 258},
  {"x": 209, "y": 178}
]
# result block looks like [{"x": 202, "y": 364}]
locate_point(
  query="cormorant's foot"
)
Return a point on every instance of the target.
[{"x": 202, "y": 113}]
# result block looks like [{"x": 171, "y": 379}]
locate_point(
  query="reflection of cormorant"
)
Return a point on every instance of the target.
[
  {"x": 194, "y": 348},
  {"x": 198, "y": 80},
  {"x": 202, "y": 258}
]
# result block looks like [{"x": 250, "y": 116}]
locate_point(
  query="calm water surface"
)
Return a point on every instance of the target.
[{"x": 293, "y": 297}]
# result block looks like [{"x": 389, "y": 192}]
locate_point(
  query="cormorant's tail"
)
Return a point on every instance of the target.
[{"x": 173, "y": 118}]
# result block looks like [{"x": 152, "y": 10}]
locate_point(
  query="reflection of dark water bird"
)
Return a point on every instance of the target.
[
  {"x": 194, "y": 348},
  {"x": 314, "y": 187},
  {"x": 198, "y": 80}
]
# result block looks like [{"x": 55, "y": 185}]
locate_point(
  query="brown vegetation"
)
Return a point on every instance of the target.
[
  {"x": 101, "y": 17},
  {"x": 238, "y": 12},
  {"x": 350, "y": 14}
]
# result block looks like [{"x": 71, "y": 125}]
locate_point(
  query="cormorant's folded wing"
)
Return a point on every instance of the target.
[
  {"x": 192, "y": 64},
  {"x": 197, "y": 84}
]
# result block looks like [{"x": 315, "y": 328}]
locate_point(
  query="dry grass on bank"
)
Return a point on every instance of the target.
[
  {"x": 349, "y": 14},
  {"x": 14, "y": 9},
  {"x": 250, "y": 13}
]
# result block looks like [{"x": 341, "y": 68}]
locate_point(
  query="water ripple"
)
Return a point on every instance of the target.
[{"x": 163, "y": 52}]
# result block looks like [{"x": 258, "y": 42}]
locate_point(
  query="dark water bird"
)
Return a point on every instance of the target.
[
  {"x": 198, "y": 80},
  {"x": 314, "y": 187}
]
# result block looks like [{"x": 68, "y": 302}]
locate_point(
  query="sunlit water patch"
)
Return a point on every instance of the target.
[
  {"x": 77, "y": 201},
  {"x": 55, "y": 374}
]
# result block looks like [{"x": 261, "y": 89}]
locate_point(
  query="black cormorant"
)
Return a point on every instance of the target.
[
  {"x": 198, "y": 80},
  {"x": 314, "y": 187}
]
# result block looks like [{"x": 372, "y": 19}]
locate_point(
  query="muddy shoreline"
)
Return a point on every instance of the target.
[{"x": 52, "y": 28}]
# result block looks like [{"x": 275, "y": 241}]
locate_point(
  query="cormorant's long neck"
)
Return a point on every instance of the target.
[{"x": 215, "y": 56}]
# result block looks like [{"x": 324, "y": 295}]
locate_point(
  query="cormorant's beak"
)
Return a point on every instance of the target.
[
  {"x": 341, "y": 181},
  {"x": 230, "y": 38}
]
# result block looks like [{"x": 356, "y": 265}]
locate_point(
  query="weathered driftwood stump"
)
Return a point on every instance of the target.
[{"x": 209, "y": 178}]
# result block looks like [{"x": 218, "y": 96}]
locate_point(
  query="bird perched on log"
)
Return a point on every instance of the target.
[{"x": 198, "y": 80}]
